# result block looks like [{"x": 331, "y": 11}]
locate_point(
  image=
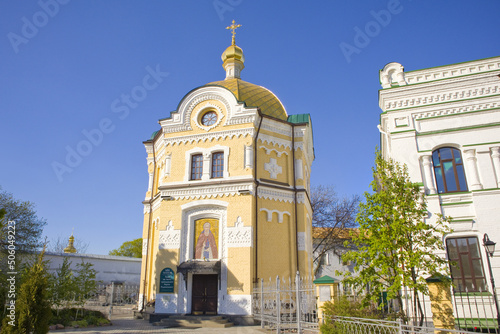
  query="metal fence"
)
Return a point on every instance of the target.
[
  {"x": 114, "y": 299},
  {"x": 347, "y": 325},
  {"x": 110, "y": 299},
  {"x": 286, "y": 306},
  {"x": 472, "y": 311}
]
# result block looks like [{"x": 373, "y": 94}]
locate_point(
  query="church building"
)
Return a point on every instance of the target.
[{"x": 228, "y": 197}]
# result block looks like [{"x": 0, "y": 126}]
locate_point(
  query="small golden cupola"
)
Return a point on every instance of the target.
[
  {"x": 232, "y": 57},
  {"x": 70, "y": 248}
]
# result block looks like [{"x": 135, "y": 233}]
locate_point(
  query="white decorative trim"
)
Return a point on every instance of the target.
[
  {"x": 156, "y": 204},
  {"x": 280, "y": 214},
  {"x": 457, "y": 110},
  {"x": 198, "y": 192},
  {"x": 263, "y": 138},
  {"x": 433, "y": 98},
  {"x": 144, "y": 246},
  {"x": 276, "y": 127},
  {"x": 450, "y": 198},
  {"x": 237, "y": 305},
  {"x": 239, "y": 235},
  {"x": 166, "y": 302},
  {"x": 392, "y": 73},
  {"x": 211, "y": 136},
  {"x": 190, "y": 213},
  {"x": 169, "y": 238},
  {"x": 203, "y": 109},
  {"x": 275, "y": 194},
  {"x": 301, "y": 241},
  {"x": 146, "y": 208},
  {"x": 269, "y": 150},
  {"x": 206, "y": 202},
  {"x": 273, "y": 168},
  {"x": 450, "y": 71},
  {"x": 149, "y": 148}
]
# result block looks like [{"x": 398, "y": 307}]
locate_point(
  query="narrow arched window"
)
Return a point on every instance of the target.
[{"x": 449, "y": 170}]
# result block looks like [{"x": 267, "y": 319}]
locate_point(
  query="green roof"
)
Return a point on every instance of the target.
[
  {"x": 436, "y": 278},
  {"x": 153, "y": 135},
  {"x": 299, "y": 118},
  {"x": 324, "y": 280}
]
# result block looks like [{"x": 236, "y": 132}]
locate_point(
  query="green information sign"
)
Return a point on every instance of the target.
[{"x": 167, "y": 279}]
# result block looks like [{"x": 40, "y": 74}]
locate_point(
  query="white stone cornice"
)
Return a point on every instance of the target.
[
  {"x": 433, "y": 98},
  {"x": 276, "y": 194},
  {"x": 490, "y": 103},
  {"x": 269, "y": 150},
  {"x": 276, "y": 127},
  {"x": 213, "y": 191},
  {"x": 203, "y": 137},
  {"x": 149, "y": 147},
  {"x": 263, "y": 138},
  {"x": 445, "y": 72}
]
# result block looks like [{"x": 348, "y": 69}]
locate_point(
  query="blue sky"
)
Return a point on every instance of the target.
[{"x": 66, "y": 63}]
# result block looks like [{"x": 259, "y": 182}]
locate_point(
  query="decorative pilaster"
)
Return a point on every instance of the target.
[
  {"x": 428, "y": 174},
  {"x": 495, "y": 156},
  {"x": 473, "y": 175},
  {"x": 206, "y": 166},
  {"x": 168, "y": 164},
  {"x": 150, "y": 183},
  {"x": 248, "y": 156}
]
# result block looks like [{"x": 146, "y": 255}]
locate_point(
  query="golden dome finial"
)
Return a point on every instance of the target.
[
  {"x": 233, "y": 27},
  {"x": 70, "y": 248}
]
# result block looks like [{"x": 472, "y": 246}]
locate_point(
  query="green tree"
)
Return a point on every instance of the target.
[
  {"x": 85, "y": 283},
  {"x": 28, "y": 226},
  {"x": 20, "y": 233},
  {"x": 129, "y": 248},
  {"x": 33, "y": 312},
  {"x": 62, "y": 285},
  {"x": 396, "y": 245}
]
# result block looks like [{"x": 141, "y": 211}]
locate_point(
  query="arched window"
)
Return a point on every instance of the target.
[{"x": 449, "y": 170}]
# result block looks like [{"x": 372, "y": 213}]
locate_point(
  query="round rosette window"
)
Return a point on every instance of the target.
[{"x": 209, "y": 118}]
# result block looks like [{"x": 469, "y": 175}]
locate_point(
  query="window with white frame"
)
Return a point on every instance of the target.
[{"x": 207, "y": 163}]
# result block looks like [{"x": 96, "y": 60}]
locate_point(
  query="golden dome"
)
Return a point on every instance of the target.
[
  {"x": 254, "y": 96},
  {"x": 70, "y": 248},
  {"x": 233, "y": 52}
]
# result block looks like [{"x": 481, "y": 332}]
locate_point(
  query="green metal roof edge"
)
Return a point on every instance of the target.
[
  {"x": 324, "y": 280},
  {"x": 299, "y": 118},
  {"x": 153, "y": 135},
  {"x": 436, "y": 278}
]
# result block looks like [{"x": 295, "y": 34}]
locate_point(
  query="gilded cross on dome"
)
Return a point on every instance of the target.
[{"x": 233, "y": 27}]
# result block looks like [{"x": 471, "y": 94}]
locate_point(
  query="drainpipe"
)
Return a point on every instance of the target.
[
  {"x": 295, "y": 200},
  {"x": 149, "y": 230},
  {"x": 256, "y": 195}
]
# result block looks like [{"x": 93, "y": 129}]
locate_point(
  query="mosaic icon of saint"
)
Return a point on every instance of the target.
[{"x": 206, "y": 248}]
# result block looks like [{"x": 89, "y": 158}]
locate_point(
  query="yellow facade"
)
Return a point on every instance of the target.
[{"x": 227, "y": 197}]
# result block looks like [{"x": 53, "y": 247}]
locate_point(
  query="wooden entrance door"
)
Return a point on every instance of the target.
[{"x": 204, "y": 294}]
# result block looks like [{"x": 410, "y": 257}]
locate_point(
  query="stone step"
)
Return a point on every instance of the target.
[{"x": 194, "y": 321}]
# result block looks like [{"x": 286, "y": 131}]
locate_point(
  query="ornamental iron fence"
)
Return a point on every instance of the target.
[{"x": 286, "y": 306}]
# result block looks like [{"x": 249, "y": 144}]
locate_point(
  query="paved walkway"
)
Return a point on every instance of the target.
[{"x": 129, "y": 326}]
